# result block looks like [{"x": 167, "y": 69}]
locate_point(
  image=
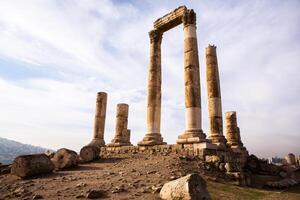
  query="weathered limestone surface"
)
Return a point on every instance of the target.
[
  {"x": 99, "y": 125},
  {"x": 193, "y": 132},
  {"x": 65, "y": 158},
  {"x": 231, "y": 128},
  {"x": 127, "y": 137},
  {"x": 190, "y": 187},
  {"x": 122, "y": 133},
  {"x": 30, "y": 165},
  {"x": 214, "y": 97},
  {"x": 233, "y": 133},
  {"x": 153, "y": 136},
  {"x": 170, "y": 20},
  {"x": 89, "y": 153}
]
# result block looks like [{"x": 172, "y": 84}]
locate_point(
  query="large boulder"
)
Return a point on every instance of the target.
[
  {"x": 89, "y": 153},
  {"x": 30, "y": 165},
  {"x": 258, "y": 166},
  {"x": 65, "y": 158},
  {"x": 190, "y": 187}
]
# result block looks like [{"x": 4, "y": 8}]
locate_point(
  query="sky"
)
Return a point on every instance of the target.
[{"x": 56, "y": 55}]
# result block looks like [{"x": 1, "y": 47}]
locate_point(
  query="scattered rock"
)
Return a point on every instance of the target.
[
  {"x": 81, "y": 185},
  {"x": 94, "y": 194},
  {"x": 65, "y": 158},
  {"x": 151, "y": 172},
  {"x": 21, "y": 192},
  {"x": 80, "y": 196},
  {"x": 30, "y": 165},
  {"x": 118, "y": 189},
  {"x": 156, "y": 189},
  {"x": 37, "y": 196},
  {"x": 190, "y": 187}
]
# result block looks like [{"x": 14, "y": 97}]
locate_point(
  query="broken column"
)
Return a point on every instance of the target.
[
  {"x": 231, "y": 128},
  {"x": 121, "y": 126},
  {"x": 153, "y": 136},
  {"x": 193, "y": 132},
  {"x": 233, "y": 132},
  {"x": 214, "y": 97},
  {"x": 99, "y": 125}
]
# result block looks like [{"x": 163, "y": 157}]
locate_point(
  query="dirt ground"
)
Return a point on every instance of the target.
[{"x": 136, "y": 176}]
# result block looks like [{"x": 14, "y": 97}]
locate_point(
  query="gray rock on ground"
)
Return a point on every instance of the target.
[
  {"x": 190, "y": 187},
  {"x": 30, "y": 165},
  {"x": 65, "y": 158}
]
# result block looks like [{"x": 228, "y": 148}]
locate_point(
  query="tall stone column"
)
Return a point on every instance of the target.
[
  {"x": 99, "y": 125},
  {"x": 121, "y": 126},
  {"x": 214, "y": 97},
  {"x": 193, "y": 132},
  {"x": 153, "y": 136}
]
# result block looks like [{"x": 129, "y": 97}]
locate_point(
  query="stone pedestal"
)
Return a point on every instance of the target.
[
  {"x": 214, "y": 98},
  {"x": 153, "y": 136},
  {"x": 121, "y": 136},
  {"x": 193, "y": 132},
  {"x": 99, "y": 125}
]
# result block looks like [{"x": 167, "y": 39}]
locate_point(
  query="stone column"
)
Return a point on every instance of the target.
[
  {"x": 99, "y": 125},
  {"x": 231, "y": 129},
  {"x": 214, "y": 97},
  {"x": 121, "y": 125},
  {"x": 153, "y": 136},
  {"x": 193, "y": 132}
]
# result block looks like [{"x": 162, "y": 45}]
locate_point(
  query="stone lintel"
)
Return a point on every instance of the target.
[{"x": 170, "y": 20}]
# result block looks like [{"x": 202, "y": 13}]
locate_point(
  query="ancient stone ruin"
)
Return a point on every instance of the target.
[
  {"x": 193, "y": 141},
  {"x": 215, "y": 155},
  {"x": 122, "y": 137}
]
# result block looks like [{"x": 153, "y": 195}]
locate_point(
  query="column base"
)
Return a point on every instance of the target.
[
  {"x": 118, "y": 142},
  {"x": 152, "y": 139},
  {"x": 192, "y": 136},
  {"x": 218, "y": 139},
  {"x": 239, "y": 149},
  {"x": 97, "y": 142}
]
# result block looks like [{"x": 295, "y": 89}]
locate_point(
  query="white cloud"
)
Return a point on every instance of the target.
[{"x": 91, "y": 46}]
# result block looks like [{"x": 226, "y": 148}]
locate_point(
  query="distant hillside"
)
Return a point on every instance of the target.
[{"x": 10, "y": 149}]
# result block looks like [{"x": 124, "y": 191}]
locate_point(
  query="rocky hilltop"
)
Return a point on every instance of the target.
[{"x": 132, "y": 176}]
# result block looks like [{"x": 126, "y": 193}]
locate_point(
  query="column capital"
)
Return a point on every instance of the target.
[
  {"x": 189, "y": 17},
  {"x": 155, "y": 36}
]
